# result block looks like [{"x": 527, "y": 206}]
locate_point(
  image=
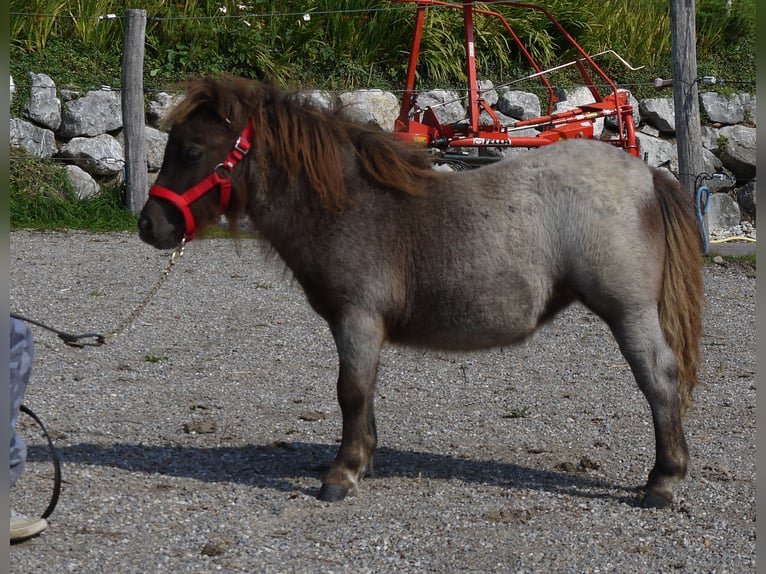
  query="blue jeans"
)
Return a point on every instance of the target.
[{"x": 21, "y": 357}]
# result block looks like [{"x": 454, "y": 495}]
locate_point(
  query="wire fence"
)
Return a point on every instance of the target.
[
  {"x": 224, "y": 15},
  {"x": 244, "y": 14},
  {"x": 297, "y": 15},
  {"x": 25, "y": 84}
]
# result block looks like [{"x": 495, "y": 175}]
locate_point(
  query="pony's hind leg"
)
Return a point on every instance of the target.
[
  {"x": 655, "y": 368},
  {"x": 359, "y": 338}
]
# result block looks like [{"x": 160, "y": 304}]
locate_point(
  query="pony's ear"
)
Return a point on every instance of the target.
[{"x": 225, "y": 102}]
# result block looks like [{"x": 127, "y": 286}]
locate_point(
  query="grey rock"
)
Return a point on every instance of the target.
[
  {"x": 709, "y": 137},
  {"x": 649, "y": 130},
  {"x": 722, "y": 109},
  {"x": 723, "y": 212},
  {"x": 38, "y": 142},
  {"x": 82, "y": 181},
  {"x": 159, "y": 107},
  {"x": 737, "y": 150},
  {"x": 519, "y": 105},
  {"x": 711, "y": 165},
  {"x": 660, "y": 113},
  {"x": 746, "y": 197},
  {"x": 95, "y": 113},
  {"x": 486, "y": 120},
  {"x": 371, "y": 106},
  {"x": 488, "y": 92},
  {"x": 657, "y": 151},
  {"x": 446, "y": 105},
  {"x": 668, "y": 171},
  {"x": 100, "y": 155},
  {"x": 43, "y": 106},
  {"x": 13, "y": 89},
  {"x": 99, "y": 112},
  {"x": 714, "y": 165},
  {"x": 319, "y": 98},
  {"x": 156, "y": 140}
]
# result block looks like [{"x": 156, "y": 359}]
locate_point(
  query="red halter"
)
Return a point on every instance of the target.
[{"x": 184, "y": 200}]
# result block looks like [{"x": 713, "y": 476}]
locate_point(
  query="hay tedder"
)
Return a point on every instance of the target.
[{"x": 486, "y": 130}]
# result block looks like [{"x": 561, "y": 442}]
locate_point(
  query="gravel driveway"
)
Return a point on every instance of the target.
[{"x": 194, "y": 441}]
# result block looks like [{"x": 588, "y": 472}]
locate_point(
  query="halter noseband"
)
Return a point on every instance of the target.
[{"x": 184, "y": 200}]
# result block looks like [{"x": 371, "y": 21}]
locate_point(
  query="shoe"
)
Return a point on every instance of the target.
[{"x": 23, "y": 527}]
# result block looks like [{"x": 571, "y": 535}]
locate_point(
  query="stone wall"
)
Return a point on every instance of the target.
[{"x": 84, "y": 131}]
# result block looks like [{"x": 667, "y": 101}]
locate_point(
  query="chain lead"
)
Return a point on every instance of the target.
[{"x": 174, "y": 257}]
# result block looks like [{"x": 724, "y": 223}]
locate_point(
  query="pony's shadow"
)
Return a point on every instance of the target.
[{"x": 277, "y": 466}]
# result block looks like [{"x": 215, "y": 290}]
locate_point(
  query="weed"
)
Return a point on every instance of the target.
[
  {"x": 745, "y": 261},
  {"x": 516, "y": 413}
]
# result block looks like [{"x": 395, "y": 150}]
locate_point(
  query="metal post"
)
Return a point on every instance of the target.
[{"x": 470, "y": 53}]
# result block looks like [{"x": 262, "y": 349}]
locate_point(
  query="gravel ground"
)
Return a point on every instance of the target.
[{"x": 194, "y": 441}]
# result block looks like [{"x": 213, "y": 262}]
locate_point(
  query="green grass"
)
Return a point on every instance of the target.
[
  {"x": 364, "y": 43},
  {"x": 42, "y": 197}
]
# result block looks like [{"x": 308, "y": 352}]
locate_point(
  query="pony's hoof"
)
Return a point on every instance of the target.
[
  {"x": 651, "y": 500},
  {"x": 332, "y": 493}
]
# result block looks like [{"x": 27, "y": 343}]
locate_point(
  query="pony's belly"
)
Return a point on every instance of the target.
[
  {"x": 466, "y": 335},
  {"x": 474, "y": 313},
  {"x": 460, "y": 341}
]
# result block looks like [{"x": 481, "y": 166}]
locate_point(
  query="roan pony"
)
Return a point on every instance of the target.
[{"x": 386, "y": 248}]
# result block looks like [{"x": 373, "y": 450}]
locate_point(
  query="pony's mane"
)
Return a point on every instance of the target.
[{"x": 304, "y": 140}]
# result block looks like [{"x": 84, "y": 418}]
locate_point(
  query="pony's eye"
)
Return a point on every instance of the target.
[{"x": 193, "y": 154}]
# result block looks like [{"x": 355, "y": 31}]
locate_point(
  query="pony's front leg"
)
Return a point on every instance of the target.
[{"x": 359, "y": 338}]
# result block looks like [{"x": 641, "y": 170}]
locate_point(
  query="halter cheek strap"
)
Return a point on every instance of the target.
[{"x": 184, "y": 200}]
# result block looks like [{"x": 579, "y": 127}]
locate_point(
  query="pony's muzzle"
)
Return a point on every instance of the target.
[{"x": 156, "y": 228}]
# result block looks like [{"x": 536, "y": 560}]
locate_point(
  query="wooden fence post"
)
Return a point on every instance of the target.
[
  {"x": 133, "y": 118},
  {"x": 685, "y": 94}
]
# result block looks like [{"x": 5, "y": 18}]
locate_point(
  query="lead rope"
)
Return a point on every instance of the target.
[
  {"x": 56, "y": 462},
  {"x": 98, "y": 338},
  {"x": 174, "y": 257}
]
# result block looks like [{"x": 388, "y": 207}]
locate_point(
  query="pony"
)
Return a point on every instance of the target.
[{"x": 388, "y": 249}]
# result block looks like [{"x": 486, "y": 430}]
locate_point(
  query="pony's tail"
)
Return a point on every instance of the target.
[{"x": 682, "y": 297}]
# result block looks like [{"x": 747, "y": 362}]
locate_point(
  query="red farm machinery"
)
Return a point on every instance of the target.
[{"x": 486, "y": 130}]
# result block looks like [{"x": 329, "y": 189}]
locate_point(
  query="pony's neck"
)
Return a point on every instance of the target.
[{"x": 288, "y": 214}]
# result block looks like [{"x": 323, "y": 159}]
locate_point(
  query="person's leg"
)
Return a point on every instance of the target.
[{"x": 21, "y": 357}]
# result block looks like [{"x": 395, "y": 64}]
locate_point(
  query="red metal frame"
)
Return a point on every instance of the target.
[{"x": 422, "y": 126}]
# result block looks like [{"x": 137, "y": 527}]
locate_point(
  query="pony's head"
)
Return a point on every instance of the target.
[
  {"x": 201, "y": 175},
  {"x": 297, "y": 148}
]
